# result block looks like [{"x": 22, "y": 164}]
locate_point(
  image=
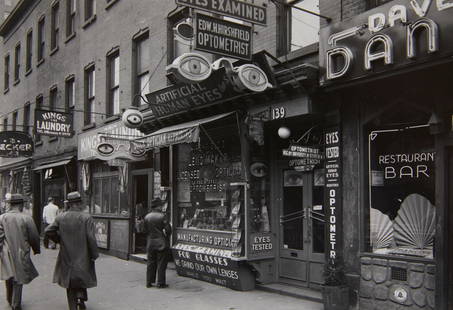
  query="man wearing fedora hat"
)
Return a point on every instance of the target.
[
  {"x": 158, "y": 232},
  {"x": 17, "y": 234},
  {"x": 75, "y": 269}
]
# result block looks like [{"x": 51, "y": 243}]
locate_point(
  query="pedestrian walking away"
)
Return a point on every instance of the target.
[
  {"x": 75, "y": 267},
  {"x": 158, "y": 232},
  {"x": 49, "y": 213},
  {"x": 18, "y": 233}
]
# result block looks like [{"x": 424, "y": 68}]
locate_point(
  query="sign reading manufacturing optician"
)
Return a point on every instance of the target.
[
  {"x": 332, "y": 192},
  {"x": 235, "y": 8},
  {"x": 50, "y": 123},
  {"x": 222, "y": 37},
  {"x": 15, "y": 144},
  {"x": 396, "y": 35}
]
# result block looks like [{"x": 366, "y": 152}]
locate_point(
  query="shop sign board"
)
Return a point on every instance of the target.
[
  {"x": 399, "y": 34},
  {"x": 261, "y": 245},
  {"x": 333, "y": 192},
  {"x": 221, "y": 37},
  {"x": 217, "y": 239},
  {"x": 15, "y": 144},
  {"x": 56, "y": 124},
  {"x": 88, "y": 141},
  {"x": 307, "y": 157},
  {"x": 101, "y": 232},
  {"x": 235, "y": 8},
  {"x": 183, "y": 97},
  {"x": 198, "y": 262}
]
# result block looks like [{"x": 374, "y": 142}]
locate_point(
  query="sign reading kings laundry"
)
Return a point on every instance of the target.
[
  {"x": 50, "y": 123},
  {"x": 222, "y": 37},
  {"x": 235, "y": 8}
]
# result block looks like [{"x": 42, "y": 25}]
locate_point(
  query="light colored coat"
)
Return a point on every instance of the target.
[
  {"x": 75, "y": 267},
  {"x": 17, "y": 234}
]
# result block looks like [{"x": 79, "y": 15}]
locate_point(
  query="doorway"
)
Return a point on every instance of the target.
[
  {"x": 142, "y": 197},
  {"x": 300, "y": 197}
]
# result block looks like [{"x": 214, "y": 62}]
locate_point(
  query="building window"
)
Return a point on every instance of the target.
[
  {"x": 90, "y": 9},
  {"x": 5, "y": 124},
  {"x": 375, "y": 3},
  {"x": 90, "y": 90},
  {"x": 70, "y": 17},
  {"x": 70, "y": 93},
  {"x": 38, "y": 106},
  {"x": 17, "y": 63},
  {"x": 141, "y": 64},
  {"x": 106, "y": 195},
  {"x": 53, "y": 99},
  {"x": 113, "y": 83},
  {"x": 26, "y": 123},
  {"x": 304, "y": 27},
  {"x": 29, "y": 51},
  {"x": 14, "y": 127},
  {"x": 6, "y": 73},
  {"x": 41, "y": 39},
  {"x": 55, "y": 26}
]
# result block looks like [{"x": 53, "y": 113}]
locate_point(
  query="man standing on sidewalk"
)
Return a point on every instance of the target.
[
  {"x": 17, "y": 233},
  {"x": 49, "y": 213},
  {"x": 158, "y": 232},
  {"x": 75, "y": 269}
]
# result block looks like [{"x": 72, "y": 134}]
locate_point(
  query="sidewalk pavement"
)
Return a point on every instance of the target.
[{"x": 121, "y": 286}]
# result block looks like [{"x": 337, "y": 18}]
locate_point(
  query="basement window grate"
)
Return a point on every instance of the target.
[{"x": 399, "y": 274}]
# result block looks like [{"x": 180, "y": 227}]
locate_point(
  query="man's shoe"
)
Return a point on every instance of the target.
[
  {"x": 149, "y": 285},
  {"x": 81, "y": 305},
  {"x": 162, "y": 285},
  {"x": 16, "y": 308}
]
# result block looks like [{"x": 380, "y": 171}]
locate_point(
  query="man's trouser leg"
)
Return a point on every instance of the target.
[
  {"x": 162, "y": 262},
  {"x": 46, "y": 238},
  {"x": 151, "y": 267},
  {"x": 13, "y": 292},
  {"x": 74, "y": 294}
]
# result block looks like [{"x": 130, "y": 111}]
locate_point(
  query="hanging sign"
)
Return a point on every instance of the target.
[
  {"x": 306, "y": 157},
  {"x": 15, "y": 144},
  {"x": 111, "y": 147},
  {"x": 235, "y": 8},
  {"x": 221, "y": 37},
  {"x": 396, "y": 35},
  {"x": 57, "y": 124}
]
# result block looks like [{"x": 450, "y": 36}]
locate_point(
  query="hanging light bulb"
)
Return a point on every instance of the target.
[{"x": 284, "y": 132}]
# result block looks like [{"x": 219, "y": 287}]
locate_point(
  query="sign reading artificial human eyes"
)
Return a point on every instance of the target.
[
  {"x": 396, "y": 35},
  {"x": 235, "y": 8},
  {"x": 15, "y": 144},
  {"x": 57, "y": 124},
  {"x": 221, "y": 37}
]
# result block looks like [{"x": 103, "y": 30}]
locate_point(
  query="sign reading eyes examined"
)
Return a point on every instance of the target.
[
  {"x": 50, "y": 123},
  {"x": 235, "y": 8},
  {"x": 222, "y": 37},
  {"x": 15, "y": 144}
]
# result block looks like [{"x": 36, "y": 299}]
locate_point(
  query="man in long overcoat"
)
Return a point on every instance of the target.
[
  {"x": 158, "y": 232},
  {"x": 17, "y": 234},
  {"x": 75, "y": 268}
]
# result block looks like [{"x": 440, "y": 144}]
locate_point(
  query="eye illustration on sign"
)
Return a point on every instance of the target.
[
  {"x": 105, "y": 149},
  {"x": 132, "y": 118},
  {"x": 190, "y": 67},
  {"x": 252, "y": 78}
]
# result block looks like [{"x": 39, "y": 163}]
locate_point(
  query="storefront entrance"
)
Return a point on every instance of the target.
[
  {"x": 302, "y": 237},
  {"x": 142, "y": 196}
]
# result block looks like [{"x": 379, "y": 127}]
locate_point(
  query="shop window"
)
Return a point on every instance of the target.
[
  {"x": 401, "y": 191},
  {"x": 209, "y": 174},
  {"x": 55, "y": 26},
  {"x": 70, "y": 17},
  {"x": 29, "y": 51},
  {"x": 6, "y": 73},
  {"x": 41, "y": 39},
  {"x": 17, "y": 63},
  {"x": 141, "y": 57},
  {"x": 113, "y": 83},
  {"x": 106, "y": 196},
  {"x": 90, "y": 89}
]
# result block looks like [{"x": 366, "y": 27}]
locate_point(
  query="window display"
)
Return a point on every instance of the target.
[
  {"x": 401, "y": 191},
  {"x": 107, "y": 198}
]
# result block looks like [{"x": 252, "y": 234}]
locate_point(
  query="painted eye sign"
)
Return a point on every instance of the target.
[{"x": 132, "y": 118}]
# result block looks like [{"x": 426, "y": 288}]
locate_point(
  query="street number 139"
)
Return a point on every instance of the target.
[{"x": 278, "y": 112}]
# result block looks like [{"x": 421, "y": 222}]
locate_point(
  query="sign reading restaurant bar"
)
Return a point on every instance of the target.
[
  {"x": 393, "y": 36},
  {"x": 222, "y": 37},
  {"x": 235, "y": 8},
  {"x": 51, "y": 123}
]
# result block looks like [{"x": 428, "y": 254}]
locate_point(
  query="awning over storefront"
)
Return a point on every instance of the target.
[
  {"x": 182, "y": 133},
  {"x": 13, "y": 163},
  {"x": 54, "y": 164}
]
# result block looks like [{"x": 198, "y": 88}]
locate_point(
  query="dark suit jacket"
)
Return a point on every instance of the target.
[{"x": 158, "y": 231}]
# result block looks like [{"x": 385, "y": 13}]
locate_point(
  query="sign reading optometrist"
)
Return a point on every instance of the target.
[
  {"x": 15, "y": 144},
  {"x": 218, "y": 36},
  {"x": 51, "y": 123},
  {"x": 393, "y": 36},
  {"x": 235, "y": 8}
]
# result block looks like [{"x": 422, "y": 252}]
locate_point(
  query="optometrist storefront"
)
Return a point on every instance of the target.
[{"x": 389, "y": 71}]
